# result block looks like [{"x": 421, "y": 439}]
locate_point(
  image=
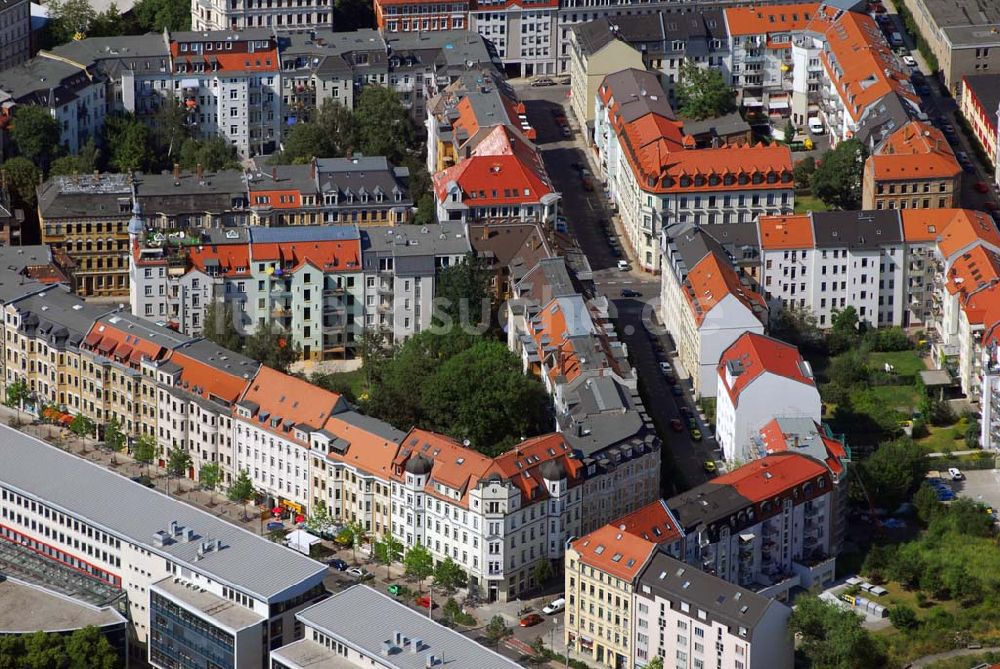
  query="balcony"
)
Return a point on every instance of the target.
[{"x": 334, "y": 290}]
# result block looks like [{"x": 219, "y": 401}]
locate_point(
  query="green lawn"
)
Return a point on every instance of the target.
[
  {"x": 942, "y": 440},
  {"x": 340, "y": 381},
  {"x": 807, "y": 203},
  {"x": 906, "y": 363},
  {"x": 901, "y": 398}
]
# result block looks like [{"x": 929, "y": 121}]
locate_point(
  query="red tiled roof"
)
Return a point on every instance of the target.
[
  {"x": 786, "y": 232},
  {"x": 124, "y": 347},
  {"x": 653, "y": 522},
  {"x": 294, "y": 401},
  {"x": 233, "y": 259},
  {"x": 329, "y": 256},
  {"x": 208, "y": 381},
  {"x": 773, "y": 475},
  {"x": 765, "y": 20},
  {"x": 612, "y": 551},
  {"x": 915, "y": 151},
  {"x": 368, "y": 452},
  {"x": 776, "y": 441},
  {"x": 757, "y": 354},
  {"x": 966, "y": 228},
  {"x": 501, "y": 171},
  {"x": 711, "y": 281}
]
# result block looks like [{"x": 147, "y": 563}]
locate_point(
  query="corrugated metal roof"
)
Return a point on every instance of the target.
[
  {"x": 303, "y": 233},
  {"x": 133, "y": 513}
]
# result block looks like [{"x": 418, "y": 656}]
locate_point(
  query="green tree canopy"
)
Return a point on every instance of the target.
[
  {"x": 703, "y": 93},
  {"x": 803, "y": 171},
  {"x": 482, "y": 395},
  {"x": 210, "y": 476},
  {"x": 892, "y": 473},
  {"x": 155, "y": 15},
  {"x": 87, "y": 648},
  {"x": 497, "y": 630},
  {"x": 36, "y": 133},
  {"x": 68, "y": 19},
  {"x": 418, "y": 562},
  {"x": 22, "y": 177},
  {"x": 462, "y": 292},
  {"x": 837, "y": 180},
  {"x": 130, "y": 143},
  {"x": 144, "y": 450},
  {"x": 178, "y": 462},
  {"x": 82, "y": 426},
  {"x": 449, "y": 575},
  {"x": 331, "y": 132},
  {"x": 833, "y": 638},
  {"x": 213, "y": 154},
  {"x": 387, "y": 549},
  {"x": 114, "y": 438},
  {"x": 269, "y": 346},
  {"x": 241, "y": 491},
  {"x": 384, "y": 127},
  {"x": 84, "y": 162}
]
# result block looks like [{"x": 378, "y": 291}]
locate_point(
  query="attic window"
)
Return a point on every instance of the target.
[
  {"x": 600, "y": 549},
  {"x": 617, "y": 557}
]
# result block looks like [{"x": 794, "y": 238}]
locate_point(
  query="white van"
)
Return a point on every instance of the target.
[
  {"x": 815, "y": 125},
  {"x": 623, "y": 266},
  {"x": 555, "y": 606}
]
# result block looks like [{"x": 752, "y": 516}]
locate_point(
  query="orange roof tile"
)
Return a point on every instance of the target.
[
  {"x": 612, "y": 551},
  {"x": 653, "y": 522},
  {"x": 966, "y": 228},
  {"x": 915, "y": 151},
  {"x": 329, "y": 256},
  {"x": 295, "y": 401},
  {"x": 861, "y": 64},
  {"x": 776, "y": 441},
  {"x": 786, "y": 232},
  {"x": 367, "y": 451},
  {"x": 123, "y": 347},
  {"x": 233, "y": 259},
  {"x": 973, "y": 270},
  {"x": 208, "y": 381},
  {"x": 772, "y": 475},
  {"x": 711, "y": 281},
  {"x": 756, "y": 354},
  {"x": 455, "y": 466},
  {"x": 765, "y": 20}
]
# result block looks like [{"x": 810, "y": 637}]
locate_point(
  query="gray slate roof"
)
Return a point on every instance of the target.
[
  {"x": 655, "y": 34},
  {"x": 857, "y": 229},
  {"x": 85, "y": 490},
  {"x": 889, "y": 113},
  {"x": 723, "y": 602},
  {"x": 303, "y": 233},
  {"x": 638, "y": 93},
  {"x": 58, "y": 316},
  {"x": 363, "y": 618}
]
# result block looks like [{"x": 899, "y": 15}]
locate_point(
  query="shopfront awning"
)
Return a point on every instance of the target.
[
  {"x": 752, "y": 102},
  {"x": 778, "y": 104}
]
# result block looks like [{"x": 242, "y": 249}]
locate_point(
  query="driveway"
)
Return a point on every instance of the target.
[{"x": 592, "y": 224}]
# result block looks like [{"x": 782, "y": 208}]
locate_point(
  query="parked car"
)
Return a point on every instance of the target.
[
  {"x": 709, "y": 466},
  {"x": 274, "y": 525},
  {"x": 623, "y": 266},
  {"x": 677, "y": 390},
  {"x": 955, "y": 474},
  {"x": 665, "y": 368},
  {"x": 896, "y": 39},
  {"x": 563, "y": 81},
  {"x": 555, "y": 606},
  {"x": 910, "y": 61},
  {"x": 542, "y": 81},
  {"x": 357, "y": 572},
  {"x": 962, "y": 156},
  {"x": 588, "y": 184},
  {"x": 696, "y": 434},
  {"x": 531, "y": 620},
  {"x": 425, "y": 602},
  {"x": 815, "y": 125},
  {"x": 566, "y": 132},
  {"x": 676, "y": 425},
  {"x": 338, "y": 564},
  {"x": 628, "y": 292}
]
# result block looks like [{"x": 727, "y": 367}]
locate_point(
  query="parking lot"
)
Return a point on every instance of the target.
[{"x": 980, "y": 485}]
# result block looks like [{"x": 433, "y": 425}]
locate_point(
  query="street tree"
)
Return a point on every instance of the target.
[
  {"x": 387, "y": 550},
  {"x": 36, "y": 133},
  {"x": 837, "y": 180},
  {"x": 270, "y": 346},
  {"x": 702, "y": 92},
  {"x": 82, "y": 427},
  {"x": 418, "y": 563},
  {"x": 178, "y": 463},
  {"x": 144, "y": 451},
  {"x": 449, "y": 575},
  {"x": 114, "y": 438},
  {"x": 241, "y": 491},
  {"x": 655, "y": 663},
  {"x": 209, "y": 477},
  {"x": 320, "y": 519},
  {"x": 17, "y": 394},
  {"x": 542, "y": 571},
  {"x": 497, "y": 630},
  {"x": 355, "y": 533}
]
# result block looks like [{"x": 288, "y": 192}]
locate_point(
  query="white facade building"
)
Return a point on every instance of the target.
[{"x": 752, "y": 373}]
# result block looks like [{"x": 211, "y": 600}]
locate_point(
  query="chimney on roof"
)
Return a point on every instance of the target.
[{"x": 177, "y": 171}]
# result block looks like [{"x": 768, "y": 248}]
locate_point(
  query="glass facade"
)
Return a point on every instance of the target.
[{"x": 179, "y": 639}]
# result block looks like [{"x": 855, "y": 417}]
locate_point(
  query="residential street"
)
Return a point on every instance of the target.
[{"x": 635, "y": 316}]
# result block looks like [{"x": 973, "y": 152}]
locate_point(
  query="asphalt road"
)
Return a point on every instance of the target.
[{"x": 589, "y": 221}]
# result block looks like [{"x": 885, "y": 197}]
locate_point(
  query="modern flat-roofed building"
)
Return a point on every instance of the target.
[
  {"x": 361, "y": 627},
  {"x": 963, "y": 34},
  {"x": 200, "y": 590}
]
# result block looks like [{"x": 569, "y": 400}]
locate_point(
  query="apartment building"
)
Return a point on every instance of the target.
[
  {"x": 566, "y": 340},
  {"x": 602, "y": 575},
  {"x": 72, "y": 92},
  {"x": 361, "y": 627},
  {"x": 989, "y": 402},
  {"x": 282, "y": 15},
  {"x": 197, "y": 589},
  {"x": 826, "y": 261},
  {"x": 509, "y": 251},
  {"x": 768, "y": 525},
  {"x": 502, "y": 180},
  {"x": 962, "y": 34},
  {"x": 691, "y": 619},
  {"x": 467, "y": 111},
  {"x": 706, "y": 302},
  {"x": 596, "y": 51},
  {"x": 753, "y": 371},
  {"x": 655, "y": 177},
  {"x": 914, "y": 168},
  {"x": 15, "y": 33},
  {"x": 980, "y": 104}
]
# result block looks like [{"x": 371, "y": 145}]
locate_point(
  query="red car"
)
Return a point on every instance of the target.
[
  {"x": 676, "y": 424},
  {"x": 531, "y": 620},
  {"x": 424, "y": 602},
  {"x": 981, "y": 187}
]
